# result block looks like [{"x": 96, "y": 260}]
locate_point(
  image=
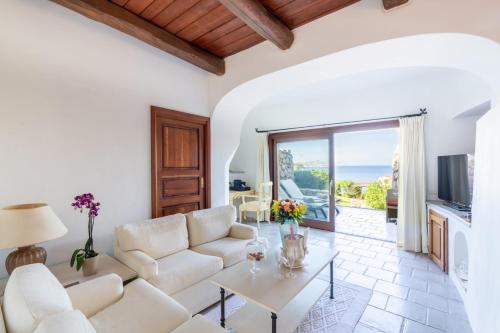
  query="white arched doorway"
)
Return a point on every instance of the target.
[{"x": 476, "y": 55}]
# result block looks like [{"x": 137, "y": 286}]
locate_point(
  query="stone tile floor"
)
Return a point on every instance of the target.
[{"x": 410, "y": 293}]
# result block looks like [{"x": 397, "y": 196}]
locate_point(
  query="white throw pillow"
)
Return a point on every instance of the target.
[
  {"x": 210, "y": 224},
  {"x": 157, "y": 237},
  {"x": 32, "y": 293}
]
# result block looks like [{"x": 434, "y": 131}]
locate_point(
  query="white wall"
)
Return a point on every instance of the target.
[
  {"x": 385, "y": 93},
  {"x": 74, "y": 116},
  {"x": 483, "y": 299}
]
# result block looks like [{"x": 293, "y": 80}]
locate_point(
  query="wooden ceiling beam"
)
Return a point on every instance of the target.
[
  {"x": 121, "y": 19},
  {"x": 390, "y": 4},
  {"x": 257, "y": 17}
]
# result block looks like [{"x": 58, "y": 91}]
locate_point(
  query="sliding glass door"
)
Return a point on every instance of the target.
[
  {"x": 303, "y": 169},
  {"x": 304, "y": 172}
]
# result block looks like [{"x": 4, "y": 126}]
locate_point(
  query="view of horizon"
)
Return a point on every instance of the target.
[
  {"x": 374, "y": 147},
  {"x": 362, "y": 156}
]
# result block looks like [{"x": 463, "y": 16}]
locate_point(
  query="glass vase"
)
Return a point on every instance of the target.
[{"x": 288, "y": 227}]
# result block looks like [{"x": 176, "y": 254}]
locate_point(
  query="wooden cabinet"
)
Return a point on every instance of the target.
[{"x": 438, "y": 239}]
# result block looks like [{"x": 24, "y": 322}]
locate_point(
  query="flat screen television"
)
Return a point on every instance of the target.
[{"x": 455, "y": 180}]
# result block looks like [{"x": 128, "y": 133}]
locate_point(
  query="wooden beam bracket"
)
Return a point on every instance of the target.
[
  {"x": 257, "y": 17},
  {"x": 391, "y": 4}
]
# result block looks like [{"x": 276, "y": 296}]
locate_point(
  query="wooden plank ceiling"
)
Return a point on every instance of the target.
[
  {"x": 204, "y": 32},
  {"x": 211, "y": 26}
]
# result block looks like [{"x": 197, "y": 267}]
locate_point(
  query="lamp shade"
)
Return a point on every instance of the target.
[{"x": 28, "y": 224}]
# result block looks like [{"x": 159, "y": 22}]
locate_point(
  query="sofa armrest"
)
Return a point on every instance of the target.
[
  {"x": 97, "y": 294},
  {"x": 242, "y": 231},
  {"x": 2, "y": 323},
  {"x": 64, "y": 322},
  {"x": 139, "y": 261}
]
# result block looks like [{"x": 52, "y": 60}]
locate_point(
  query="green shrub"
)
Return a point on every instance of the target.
[
  {"x": 323, "y": 175},
  {"x": 375, "y": 195},
  {"x": 347, "y": 188},
  {"x": 314, "y": 179}
]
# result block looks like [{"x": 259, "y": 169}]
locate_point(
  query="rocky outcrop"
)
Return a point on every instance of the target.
[{"x": 286, "y": 164}]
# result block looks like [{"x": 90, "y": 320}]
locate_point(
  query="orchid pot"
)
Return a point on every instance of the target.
[
  {"x": 86, "y": 257},
  {"x": 90, "y": 266}
]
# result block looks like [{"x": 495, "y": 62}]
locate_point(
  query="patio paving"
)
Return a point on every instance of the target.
[
  {"x": 357, "y": 221},
  {"x": 365, "y": 222}
]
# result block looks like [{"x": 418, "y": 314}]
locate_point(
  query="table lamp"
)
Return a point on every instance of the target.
[{"x": 23, "y": 226}]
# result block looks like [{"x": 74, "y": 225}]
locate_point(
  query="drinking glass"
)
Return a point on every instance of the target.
[
  {"x": 290, "y": 261},
  {"x": 278, "y": 257}
]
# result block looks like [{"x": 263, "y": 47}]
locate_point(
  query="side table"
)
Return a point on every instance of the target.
[{"x": 68, "y": 276}]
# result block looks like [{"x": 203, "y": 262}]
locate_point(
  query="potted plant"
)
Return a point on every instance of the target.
[
  {"x": 289, "y": 213},
  {"x": 86, "y": 257}
]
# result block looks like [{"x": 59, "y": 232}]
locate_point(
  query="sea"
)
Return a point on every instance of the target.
[{"x": 360, "y": 173}]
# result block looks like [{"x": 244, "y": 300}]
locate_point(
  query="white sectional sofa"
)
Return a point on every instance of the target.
[
  {"x": 179, "y": 253},
  {"x": 35, "y": 301}
]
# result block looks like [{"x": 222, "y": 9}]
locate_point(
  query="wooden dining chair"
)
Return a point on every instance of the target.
[{"x": 260, "y": 205}]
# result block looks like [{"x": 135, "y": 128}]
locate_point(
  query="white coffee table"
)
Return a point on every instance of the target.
[{"x": 274, "y": 304}]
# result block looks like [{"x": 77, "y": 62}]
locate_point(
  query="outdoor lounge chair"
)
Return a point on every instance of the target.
[{"x": 314, "y": 204}]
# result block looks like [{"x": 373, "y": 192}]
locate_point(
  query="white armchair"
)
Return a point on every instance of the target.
[
  {"x": 2, "y": 322},
  {"x": 34, "y": 301}
]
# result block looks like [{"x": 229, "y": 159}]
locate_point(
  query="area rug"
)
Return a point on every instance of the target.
[{"x": 339, "y": 315}]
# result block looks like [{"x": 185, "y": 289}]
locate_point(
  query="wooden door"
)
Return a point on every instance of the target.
[
  {"x": 180, "y": 162},
  {"x": 438, "y": 239}
]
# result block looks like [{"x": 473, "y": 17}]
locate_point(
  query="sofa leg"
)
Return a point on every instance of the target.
[
  {"x": 222, "y": 308},
  {"x": 274, "y": 317}
]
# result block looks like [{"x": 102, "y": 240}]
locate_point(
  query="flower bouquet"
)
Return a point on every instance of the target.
[{"x": 289, "y": 213}]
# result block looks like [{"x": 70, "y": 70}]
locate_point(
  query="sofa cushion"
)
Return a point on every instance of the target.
[
  {"x": 32, "y": 293},
  {"x": 183, "y": 269},
  {"x": 143, "y": 308},
  {"x": 64, "y": 322},
  {"x": 210, "y": 224},
  {"x": 231, "y": 250},
  {"x": 157, "y": 237}
]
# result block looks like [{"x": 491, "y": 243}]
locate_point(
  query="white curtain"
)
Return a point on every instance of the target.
[
  {"x": 412, "y": 224},
  {"x": 262, "y": 160}
]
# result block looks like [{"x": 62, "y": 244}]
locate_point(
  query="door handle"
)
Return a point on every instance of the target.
[
  {"x": 331, "y": 187},
  {"x": 202, "y": 182}
]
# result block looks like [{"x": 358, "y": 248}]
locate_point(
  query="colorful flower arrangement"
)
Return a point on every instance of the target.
[
  {"x": 85, "y": 201},
  {"x": 288, "y": 209}
]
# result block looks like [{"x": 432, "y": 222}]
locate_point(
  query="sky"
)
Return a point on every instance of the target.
[{"x": 374, "y": 147}]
